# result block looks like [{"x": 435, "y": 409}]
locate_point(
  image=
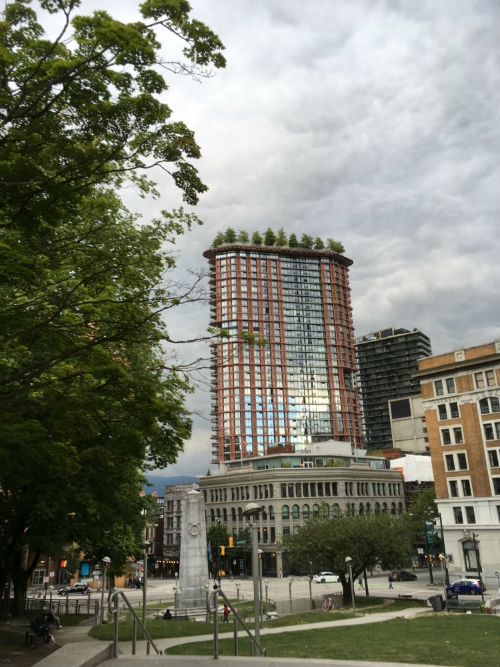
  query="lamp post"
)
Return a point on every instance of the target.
[
  {"x": 252, "y": 510},
  {"x": 145, "y": 545},
  {"x": 446, "y": 573},
  {"x": 348, "y": 561},
  {"x": 105, "y": 564},
  {"x": 238, "y": 597},
  {"x": 478, "y": 563},
  {"x": 266, "y": 582}
]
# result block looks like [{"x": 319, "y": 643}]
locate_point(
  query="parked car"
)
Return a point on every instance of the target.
[
  {"x": 326, "y": 578},
  {"x": 403, "y": 575},
  {"x": 83, "y": 589},
  {"x": 466, "y": 587}
]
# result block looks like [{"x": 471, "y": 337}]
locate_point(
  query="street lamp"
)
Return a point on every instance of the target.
[
  {"x": 266, "y": 581},
  {"x": 252, "y": 510},
  {"x": 145, "y": 545},
  {"x": 348, "y": 561},
  {"x": 238, "y": 596},
  {"x": 105, "y": 564}
]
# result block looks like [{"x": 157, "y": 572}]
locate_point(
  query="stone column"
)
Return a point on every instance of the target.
[{"x": 193, "y": 564}]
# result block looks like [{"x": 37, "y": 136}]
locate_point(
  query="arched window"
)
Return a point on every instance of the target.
[
  {"x": 368, "y": 509},
  {"x": 264, "y": 512},
  {"x": 218, "y": 513},
  {"x": 400, "y": 508},
  {"x": 295, "y": 512},
  {"x": 285, "y": 512},
  {"x": 325, "y": 511},
  {"x": 305, "y": 511},
  {"x": 393, "y": 509},
  {"x": 384, "y": 507},
  {"x": 233, "y": 513},
  {"x": 271, "y": 512},
  {"x": 377, "y": 508},
  {"x": 316, "y": 510},
  {"x": 212, "y": 516},
  {"x": 335, "y": 510},
  {"x": 361, "y": 509},
  {"x": 240, "y": 514},
  {"x": 224, "y": 514}
]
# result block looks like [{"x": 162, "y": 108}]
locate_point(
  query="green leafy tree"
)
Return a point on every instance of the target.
[
  {"x": 306, "y": 241},
  {"x": 218, "y": 240},
  {"x": 318, "y": 244},
  {"x": 87, "y": 400},
  {"x": 292, "y": 241},
  {"x": 256, "y": 239},
  {"x": 281, "y": 238},
  {"x": 334, "y": 246},
  {"x": 229, "y": 235},
  {"x": 269, "y": 237},
  {"x": 243, "y": 237},
  {"x": 323, "y": 544}
]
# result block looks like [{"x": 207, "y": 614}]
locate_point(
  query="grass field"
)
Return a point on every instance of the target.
[
  {"x": 461, "y": 640},
  {"x": 160, "y": 629}
]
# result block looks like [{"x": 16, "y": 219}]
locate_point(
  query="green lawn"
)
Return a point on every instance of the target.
[
  {"x": 160, "y": 629},
  {"x": 465, "y": 640}
]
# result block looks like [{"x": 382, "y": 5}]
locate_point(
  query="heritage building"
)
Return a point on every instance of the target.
[
  {"x": 297, "y": 388},
  {"x": 326, "y": 479},
  {"x": 461, "y": 398}
]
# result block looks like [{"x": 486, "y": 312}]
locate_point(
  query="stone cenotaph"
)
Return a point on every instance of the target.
[{"x": 193, "y": 565}]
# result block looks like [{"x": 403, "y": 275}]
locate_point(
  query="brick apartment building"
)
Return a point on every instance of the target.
[{"x": 461, "y": 398}]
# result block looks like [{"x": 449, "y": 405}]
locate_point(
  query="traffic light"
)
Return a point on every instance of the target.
[
  {"x": 231, "y": 542},
  {"x": 63, "y": 562},
  {"x": 222, "y": 550}
]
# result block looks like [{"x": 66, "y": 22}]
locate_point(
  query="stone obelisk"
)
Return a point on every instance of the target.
[{"x": 193, "y": 565}]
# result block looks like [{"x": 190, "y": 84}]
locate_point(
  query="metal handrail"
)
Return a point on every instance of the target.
[
  {"x": 113, "y": 598},
  {"x": 237, "y": 619}
]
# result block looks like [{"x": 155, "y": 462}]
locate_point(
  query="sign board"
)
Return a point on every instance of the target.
[
  {"x": 52, "y": 574},
  {"x": 46, "y": 580}
]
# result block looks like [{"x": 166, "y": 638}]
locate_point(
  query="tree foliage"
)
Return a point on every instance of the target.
[
  {"x": 87, "y": 403},
  {"x": 269, "y": 237},
  {"x": 324, "y": 544}
]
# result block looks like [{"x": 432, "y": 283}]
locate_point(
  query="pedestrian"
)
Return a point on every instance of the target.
[
  {"x": 390, "y": 581},
  {"x": 360, "y": 583},
  {"x": 226, "y": 613}
]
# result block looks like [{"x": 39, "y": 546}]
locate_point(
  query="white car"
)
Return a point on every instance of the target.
[{"x": 326, "y": 578}]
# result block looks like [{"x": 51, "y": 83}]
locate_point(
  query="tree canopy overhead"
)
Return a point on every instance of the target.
[{"x": 86, "y": 400}]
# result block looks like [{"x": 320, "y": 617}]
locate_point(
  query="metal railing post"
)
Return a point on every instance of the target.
[{"x": 216, "y": 628}]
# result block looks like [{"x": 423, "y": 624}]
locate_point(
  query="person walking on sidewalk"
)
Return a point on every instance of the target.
[
  {"x": 226, "y": 613},
  {"x": 390, "y": 581}
]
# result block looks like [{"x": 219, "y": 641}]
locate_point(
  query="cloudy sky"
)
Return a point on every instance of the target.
[{"x": 369, "y": 121}]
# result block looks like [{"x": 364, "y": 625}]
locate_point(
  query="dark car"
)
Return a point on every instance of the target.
[
  {"x": 465, "y": 587},
  {"x": 83, "y": 589},
  {"x": 403, "y": 575}
]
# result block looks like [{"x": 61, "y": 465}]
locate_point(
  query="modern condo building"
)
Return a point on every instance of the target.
[
  {"x": 298, "y": 387},
  {"x": 386, "y": 360}
]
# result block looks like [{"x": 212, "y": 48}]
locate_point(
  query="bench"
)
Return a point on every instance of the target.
[
  {"x": 405, "y": 597},
  {"x": 466, "y": 605}
]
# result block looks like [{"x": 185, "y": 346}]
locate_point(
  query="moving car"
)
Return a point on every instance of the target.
[
  {"x": 326, "y": 578},
  {"x": 466, "y": 587},
  {"x": 403, "y": 575},
  {"x": 83, "y": 589}
]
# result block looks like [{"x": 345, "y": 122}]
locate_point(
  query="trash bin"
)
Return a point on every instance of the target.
[{"x": 436, "y": 602}]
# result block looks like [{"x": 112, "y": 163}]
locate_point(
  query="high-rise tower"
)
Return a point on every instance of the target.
[
  {"x": 297, "y": 388},
  {"x": 386, "y": 361}
]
